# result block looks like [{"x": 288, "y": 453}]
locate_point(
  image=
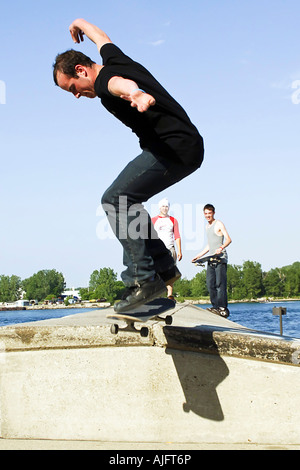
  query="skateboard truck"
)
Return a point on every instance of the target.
[
  {"x": 144, "y": 330},
  {"x": 149, "y": 311}
]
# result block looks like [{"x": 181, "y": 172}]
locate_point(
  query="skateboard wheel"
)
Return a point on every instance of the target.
[
  {"x": 144, "y": 332},
  {"x": 169, "y": 320},
  {"x": 114, "y": 329}
]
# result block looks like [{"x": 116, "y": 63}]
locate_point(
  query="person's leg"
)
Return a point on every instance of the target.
[
  {"x": 141, "y": 179},
  {"x": 211, "y": 285},
  {"x": 144, "y": 253},
  {"x": 170, "y": 284},
  {"x": 221, "y": 284}
]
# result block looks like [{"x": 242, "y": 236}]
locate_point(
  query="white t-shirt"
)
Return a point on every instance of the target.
[{"x": 167, "y": 229}]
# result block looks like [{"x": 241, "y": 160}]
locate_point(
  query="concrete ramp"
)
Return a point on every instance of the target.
[{"x": 202, "y": 380}]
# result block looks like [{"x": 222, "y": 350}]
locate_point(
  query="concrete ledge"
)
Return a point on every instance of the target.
[
  {"x": 240, "y": 344},
  {"x": 207, "y": 334},
  {"x": 30, "y": 338},
  {"x": 70, "y": 379}
]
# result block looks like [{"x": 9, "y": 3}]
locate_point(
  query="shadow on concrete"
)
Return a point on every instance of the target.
[{"x": 199, "y": 376}]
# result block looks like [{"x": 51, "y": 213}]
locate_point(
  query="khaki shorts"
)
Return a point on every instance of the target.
[{"x": 173, "y": 253}]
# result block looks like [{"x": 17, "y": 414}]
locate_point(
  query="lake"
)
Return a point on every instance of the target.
[
  {"x": 257, "y": 316},
  {"x": 23, "y": 316}
]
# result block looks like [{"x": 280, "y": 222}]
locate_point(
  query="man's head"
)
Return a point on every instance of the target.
[
  {"x": 164, "y": 207},
  {"x": 75, "y": 72},
  {"x": 209, "y": 212}
]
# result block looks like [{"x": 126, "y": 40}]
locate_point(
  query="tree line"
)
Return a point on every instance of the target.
[
  {"x": 247, "y": 282},
  {"x": 244, "y": 282},
  {"x": 42, "y": 284}
]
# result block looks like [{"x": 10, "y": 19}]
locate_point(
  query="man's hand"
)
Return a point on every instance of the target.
[
  {"x": 81, "y": 27},
  {"x": 128, "y": 90},
  {"x": 140, "y": 100},
  {"x": 76, "y": 33}
]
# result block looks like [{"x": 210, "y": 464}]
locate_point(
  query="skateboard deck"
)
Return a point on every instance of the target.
[
  {"x": 149, "y": 311},
  {"x": 211, "y": 258}
]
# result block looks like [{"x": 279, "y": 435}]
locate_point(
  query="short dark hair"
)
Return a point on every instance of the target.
[
  {"x": 209, "y": 207},
  {"x": 67, "y": 61}
]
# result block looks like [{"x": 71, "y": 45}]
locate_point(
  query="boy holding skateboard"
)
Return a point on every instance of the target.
[
  {"x": 171, "y": 147},
  {"x": 216, "y": 274}
]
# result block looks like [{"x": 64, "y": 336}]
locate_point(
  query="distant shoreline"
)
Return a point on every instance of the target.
[
  {"x": 7, "y": 308},
  {"x": 245, "y": 301}
]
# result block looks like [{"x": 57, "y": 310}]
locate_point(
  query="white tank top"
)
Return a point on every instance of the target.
[{"x": 215, "y": 240}]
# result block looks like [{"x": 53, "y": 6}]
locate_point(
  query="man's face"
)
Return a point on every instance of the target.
[
  {"x": 82, "y": 85},
  {"x": 164, "y": 210},
  {"x": 209, "y": 215}
]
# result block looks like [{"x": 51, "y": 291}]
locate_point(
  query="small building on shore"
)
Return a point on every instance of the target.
[{"x": 71, "y": 293}]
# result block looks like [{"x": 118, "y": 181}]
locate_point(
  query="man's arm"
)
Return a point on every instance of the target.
[
  {"x": 179, "y": 252},
  {"x": 81, "y": 27},
  {"x": 129, "y": 91},
  {"x": 177, "y": 237},
  {"x": 220, "y": 228},
  {"x": 202, "y": 253}
]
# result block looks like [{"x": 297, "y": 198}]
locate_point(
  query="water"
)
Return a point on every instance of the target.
[
  {"x": 259, "y": 316},
  {"x": 13, "y": 317}
]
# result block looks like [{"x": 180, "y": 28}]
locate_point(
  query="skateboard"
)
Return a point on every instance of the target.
[
  {"x": 149, "y": 311},
  {"x": 212, "y": 258}
]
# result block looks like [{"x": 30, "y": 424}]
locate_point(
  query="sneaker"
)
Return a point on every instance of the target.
[
  {"x": 221, "y": 311},
  {"x": 224, "y": 312},
  {"x": 139, "y": 295},
  {"x": 213, "y": 310},
  {"x": 171, "y": 275}
]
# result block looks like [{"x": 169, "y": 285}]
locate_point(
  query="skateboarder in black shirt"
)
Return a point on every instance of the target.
[{"x": 172, "y": 148}]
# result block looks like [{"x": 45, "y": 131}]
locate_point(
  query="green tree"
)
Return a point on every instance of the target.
[
  {"x": 252, "y": 279},
  {"x": 273, "y": 282},
  {"x": 104, "y": 284},
  {"x": 198, "y": 285},
  {"x": 182, "y": 288},
  {"x": 235, "y": 286},
  {"x": 44, "y": 283},
  {"x": 10, "y": 288},
  {"x": 291, "y": 276},
  {"x": 84, "y": 293}
]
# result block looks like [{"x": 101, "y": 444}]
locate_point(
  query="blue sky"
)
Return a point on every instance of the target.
[{"x": 235, "y": 68}]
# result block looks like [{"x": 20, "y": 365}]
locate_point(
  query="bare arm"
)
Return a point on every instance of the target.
[
  {"x": 129, "y": 91},
  {"x": 227, "y": 240},
  {"x": 179, "y": 252},
  {"x": 202, "y": 253},
  {"x": 81, "y": 27}
]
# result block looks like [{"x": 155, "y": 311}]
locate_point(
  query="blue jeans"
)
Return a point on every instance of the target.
[
  {"x": 146, "y": 175},
  {"x": 216, "y": 281}
]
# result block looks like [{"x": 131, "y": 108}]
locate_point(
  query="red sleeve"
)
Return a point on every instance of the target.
[
  {"x": 176, "y": 228},
  {"x": 154, "y": 219}
]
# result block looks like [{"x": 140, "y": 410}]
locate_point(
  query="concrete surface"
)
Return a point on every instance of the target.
[
  {"x": 30, "y": 444},
  {"x": 202, "y": 383}
]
